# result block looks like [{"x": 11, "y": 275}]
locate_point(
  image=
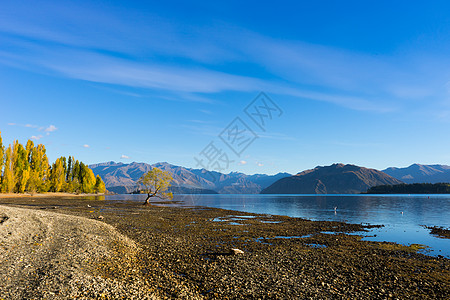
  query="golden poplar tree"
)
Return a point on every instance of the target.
[
  {"x": 88, "y": 179},
  {"x": 8, "y": 175},
  {"x": 44, "y": 167},
  {"x": 27, "y": 169},
  {"x": 99, "y": 185},
  {"x": 20, "y": 167},
  {"x": 33, "y": 178},
  {"x": 38, "y": 179},
  {"x": 57, "y": 178},
  {"x": 2, "y": 156}
]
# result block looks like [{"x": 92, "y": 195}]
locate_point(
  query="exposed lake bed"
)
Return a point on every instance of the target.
[
  {"x": 406, "y": 219},
  {"x": 186, "y": 253}
]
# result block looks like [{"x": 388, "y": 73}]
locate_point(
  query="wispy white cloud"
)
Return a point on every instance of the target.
[
  {"x": 205, "y": 111},
  {"x": 36, "y": 137},
  {"x": 104, "y": 69},
  {"x": 47, "y": 129},
  {"x": 357, "y": 145},
  {"x": 124, "y": 156},
  {"x": 199, "y": 121},
  {"x": 23, "y": 125},
  {"x": 276, "y": 136},
  {"x": 86, "y": 146},
  {"x": 359, "y": 81},
  {"x": 242, "y": 162},
  {"x": 50, "y": 128}
]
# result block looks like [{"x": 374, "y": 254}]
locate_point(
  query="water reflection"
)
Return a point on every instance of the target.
[
  {"x": 402, "y": 215},
  {"x": 99, "y": 197}
]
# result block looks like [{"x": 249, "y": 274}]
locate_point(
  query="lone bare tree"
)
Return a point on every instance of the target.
[{"x": 156, "y": 182}]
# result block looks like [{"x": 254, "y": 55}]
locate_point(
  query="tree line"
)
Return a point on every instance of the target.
[
  {"x": 27, "y": 169},
  {"x": 413, "y": 188}
]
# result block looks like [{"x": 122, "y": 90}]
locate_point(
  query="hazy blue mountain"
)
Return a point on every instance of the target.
[
  {"x": 334, "y": 179},
  {"x": 122, "y": 178},
  {"x": 417, "y": 173}
]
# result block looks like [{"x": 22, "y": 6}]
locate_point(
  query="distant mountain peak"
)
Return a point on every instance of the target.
[
  {"x": 105, "y": 164},
  {"x": 123, "y": 177},
  {"x": 418, "y": 173},
  {"x": 333, "y": 179},
  {"x": 164, "y": 163},
  {"x": 338, "y": 165}
]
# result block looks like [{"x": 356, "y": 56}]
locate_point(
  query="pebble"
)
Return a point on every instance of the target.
[{"x": 236, "y": 251}]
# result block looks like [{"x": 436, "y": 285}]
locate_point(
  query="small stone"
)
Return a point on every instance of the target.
[
  {"x": 237, "y": 251},
  {"x": 101, "y": 217}
]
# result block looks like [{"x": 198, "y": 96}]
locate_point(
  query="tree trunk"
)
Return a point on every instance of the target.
[
  {"x": 147, "y": 202},
  {"x": 150, "y": 194}
]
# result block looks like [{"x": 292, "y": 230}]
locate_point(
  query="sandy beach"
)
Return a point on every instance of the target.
[{"x": 62, "y": 248}]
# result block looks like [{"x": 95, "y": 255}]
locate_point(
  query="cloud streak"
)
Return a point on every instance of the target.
[
  {"x": 23, "y": 125},
  {"x": 47, "y": 130},
  {"x": 37, "y": 137},
  {"x": 50, "y": 128},
  {"x": 118, "y": 53}
]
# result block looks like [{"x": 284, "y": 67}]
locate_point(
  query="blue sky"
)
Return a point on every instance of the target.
[{"x": 362, "y": 82}]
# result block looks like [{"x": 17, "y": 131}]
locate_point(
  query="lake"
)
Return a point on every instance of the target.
[{"x": 403, "y": 216}]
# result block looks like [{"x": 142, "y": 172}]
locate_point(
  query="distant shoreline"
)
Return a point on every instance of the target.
[
  {"x": 36, "y": 195},
  {"x": 411, "y": 188}
]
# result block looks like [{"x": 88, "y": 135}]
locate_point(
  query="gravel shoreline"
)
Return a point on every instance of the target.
[
  {"x": 52, "y": 256},
  {"x": 185, "y": 253}
]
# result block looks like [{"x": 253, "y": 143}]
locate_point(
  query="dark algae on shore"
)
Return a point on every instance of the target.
[
  {"x": 441, "y": 232},
  {"x": 185, "y": 253}
]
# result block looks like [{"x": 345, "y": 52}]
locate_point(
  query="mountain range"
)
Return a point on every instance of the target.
[
  {"x": 421, "y": 173},
  {"x": 334, "y": 179},
  {"x": 122, "y": 178},
  {"x": 338, "y": 178}
]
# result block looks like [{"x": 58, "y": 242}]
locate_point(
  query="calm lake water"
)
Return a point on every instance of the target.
[{"x": 401, "y": 215}]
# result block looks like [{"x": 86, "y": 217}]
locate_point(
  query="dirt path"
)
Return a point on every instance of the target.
[{"x": 49, "y": 255}]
